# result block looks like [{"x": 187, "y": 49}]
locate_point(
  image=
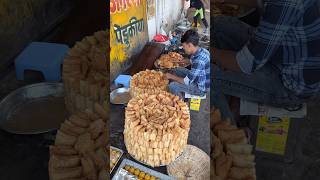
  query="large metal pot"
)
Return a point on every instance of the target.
[{"x": 40, "y": 120}]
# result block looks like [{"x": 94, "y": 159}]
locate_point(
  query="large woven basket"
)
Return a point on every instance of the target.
[{"x": 193, "y": 164}]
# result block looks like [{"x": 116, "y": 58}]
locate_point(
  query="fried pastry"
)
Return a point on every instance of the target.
[
  {"x": 79, "y": 150},
  {"x": 148, "y": 81},
  {"x": 85, "y": 72},
  {"x": 156, "y": 128}
]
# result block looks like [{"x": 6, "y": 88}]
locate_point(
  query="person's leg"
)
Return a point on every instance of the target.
[
  {"x": 195, "y": 18},
  {"x": 263, "y": 86},
  {"x": 230, "y": 33},
  {"x": 180, "y": 89},
  {"x": 180, "y": 71},
  {"x": 202, "y": 17}
]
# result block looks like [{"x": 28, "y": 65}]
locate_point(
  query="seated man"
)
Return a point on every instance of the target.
[
  {"x": 197, "y": 80},
  {"x": 277, "y": 63}
]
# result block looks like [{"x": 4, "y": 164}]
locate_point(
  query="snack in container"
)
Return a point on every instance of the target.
[
  {"x": 115, "y": 155},
  {"x": 124, "y": 175},
  {"x": 139, "y": 171}
]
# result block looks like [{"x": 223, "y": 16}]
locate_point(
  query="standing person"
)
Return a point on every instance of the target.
[
  {"x": 197, "y": 80},
  {"x": 200, "y": 11},
  {"x": 277, "y": 63}
]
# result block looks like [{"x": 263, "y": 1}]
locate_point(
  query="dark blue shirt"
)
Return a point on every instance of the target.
[{"x": 288, "y": 36}]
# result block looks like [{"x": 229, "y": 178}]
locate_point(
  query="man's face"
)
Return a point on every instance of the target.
[{"x": 188, "y": 48}]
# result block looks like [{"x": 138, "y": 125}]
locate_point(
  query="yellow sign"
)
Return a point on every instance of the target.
[
  {"x": 272, "y": 135},
  {"x": 128, "y": 31},
  {"x": 195, "y": 104}
]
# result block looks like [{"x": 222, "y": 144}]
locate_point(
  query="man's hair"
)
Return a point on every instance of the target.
[{"x": 190, "y": 36}]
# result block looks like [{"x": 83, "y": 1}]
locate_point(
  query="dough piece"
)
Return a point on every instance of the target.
[
  {"x": 100, "y": 158},
  {"x": 242, "y": 163},
  {"x": 103, "y": 175},
  {"x": 71, "y": 129},
  {"x": 64, "y": 161},
  {"x": 224, "y": 125},
  {"x": 62, "y": 150},
  {"x": 215, "y": 116},
  {"x": 89, "y": 170},
  {"x": 242, "y": 173},
  {"x": 76, "y": 120},
  {"x": 84, "y": 144},
  {"x": 101, "y": 111},
  {"x": 239, "y": 148},
  {"x": 231, "y": 136},
  {"x": 223, "y": 165},
  {"x": 218, "y": 148},
  {"x": 65, "y": 139},
  {"x": 65, "y": 173},
  {"x": 96, "y": 128},
  {"x": 102, "y": 140}
]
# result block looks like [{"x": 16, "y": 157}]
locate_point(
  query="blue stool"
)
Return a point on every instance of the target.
[
  {"x": 44, "y": 57},
  {"x": 123, "y": 80}
]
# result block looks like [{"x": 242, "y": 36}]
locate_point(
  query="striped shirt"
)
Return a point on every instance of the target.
[
  {"x": 200, "y": 70},
  {"x": 288, "y": 36}
]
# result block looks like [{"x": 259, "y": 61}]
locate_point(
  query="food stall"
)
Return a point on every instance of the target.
[{"x": 154, "y": 134}]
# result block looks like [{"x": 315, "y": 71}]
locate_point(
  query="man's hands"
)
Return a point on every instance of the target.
[
  {"x": 174, "y": 78},
  {"x": 226, "y": 59},
  {"x": 169, "y": 76}
]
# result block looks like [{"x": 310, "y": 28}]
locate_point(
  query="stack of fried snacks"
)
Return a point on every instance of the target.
[
  {"x": 231, "y": 155},
  {"x": 156, "y": 128},
  {"x": 148, "y": 81},
  {"x": 80, "y": 149},
  {"x": 86, "y": 72},
  {"x": 170, "y": 60}
]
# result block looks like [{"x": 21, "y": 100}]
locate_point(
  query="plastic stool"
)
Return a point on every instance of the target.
[
  {"x": 123, "y": 80},
  {"x": 44, "y": 57}
]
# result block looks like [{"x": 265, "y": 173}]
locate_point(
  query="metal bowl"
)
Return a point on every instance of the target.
[
  {"x": 24, "y": 98},
  {"x": 186, "y": 64},
  {"x": 120, "y": 96}
]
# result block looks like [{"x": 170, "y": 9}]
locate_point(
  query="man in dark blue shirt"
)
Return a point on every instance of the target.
[
  {"x": 197, "y": 80},
  {"x": 278, "y": 62}
]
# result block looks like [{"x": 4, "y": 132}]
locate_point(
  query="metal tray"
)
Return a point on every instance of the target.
[
  {"x": 144, "y": 169},
  {"x": 21, "y": 98},
  {"x": 115, "y": 94},
  {"x": 121, "y": 154},
  {"x": 187, "y": 63}
]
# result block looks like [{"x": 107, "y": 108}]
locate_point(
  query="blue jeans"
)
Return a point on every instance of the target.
[
  {"x": 180, "y": 89},
  {"x": 263, "y": 86}
]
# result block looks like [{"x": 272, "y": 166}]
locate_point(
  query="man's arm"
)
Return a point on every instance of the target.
[
  {"x": 175, "y": 78},
  {"x": 248, "y": 3},
  {"x": 226, "y": 59}
]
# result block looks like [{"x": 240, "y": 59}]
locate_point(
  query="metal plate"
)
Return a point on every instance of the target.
[
  {"x": 24, "y": 98},
  {"x": 144, "y": 169},
  {"x": 186, "y": 64},
  {"x": 121, "y": 153},
  {"x": 120, "y": 96}
]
